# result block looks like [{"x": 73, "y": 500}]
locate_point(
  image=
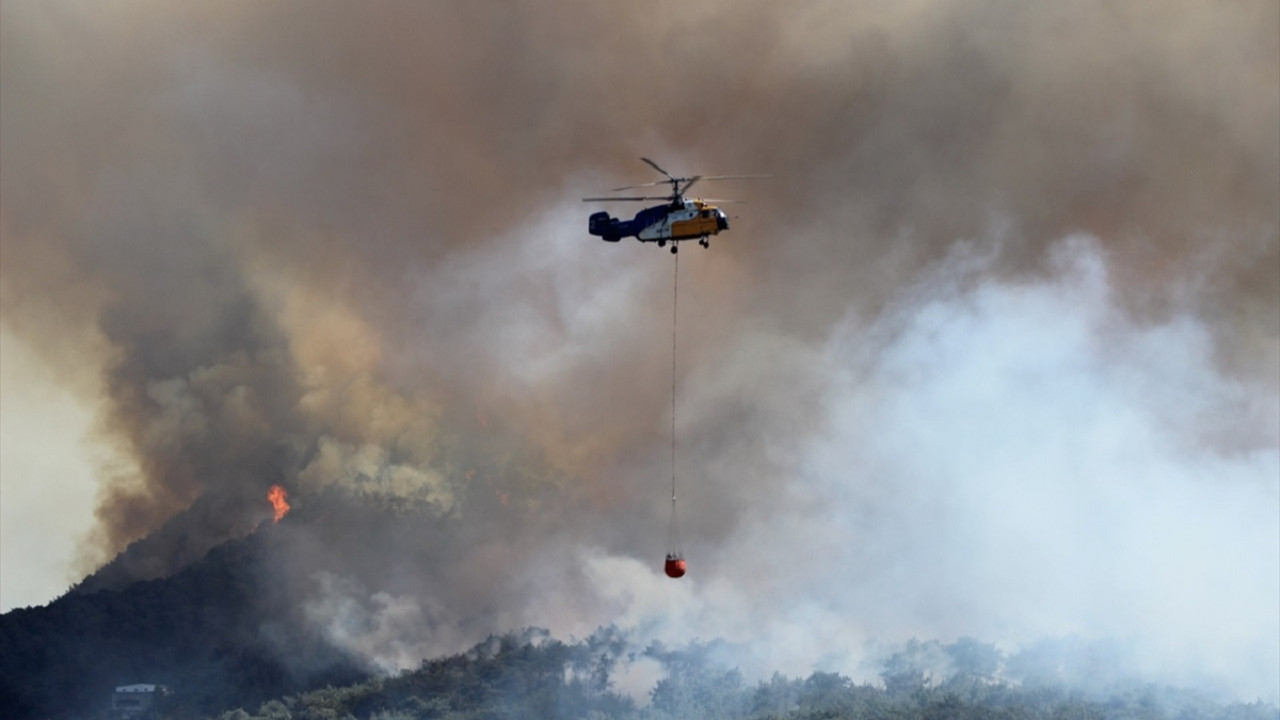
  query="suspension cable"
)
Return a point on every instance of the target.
[{"x": 674, "y": 538}]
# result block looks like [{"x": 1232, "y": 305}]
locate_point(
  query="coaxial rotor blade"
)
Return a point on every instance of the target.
[
  {"x": 732, "y": 177},
  {"x": 679, "y": 185},
  {"x": 626, "y": 199},
  {"x": 649, "y": 184},
  {"x": 655, "y": 166}
]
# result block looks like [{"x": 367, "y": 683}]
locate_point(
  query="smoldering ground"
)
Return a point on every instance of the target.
[{"x": 994, "y": 351}]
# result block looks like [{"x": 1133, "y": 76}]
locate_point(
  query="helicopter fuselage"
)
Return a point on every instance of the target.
[{"x": 681, "y": 220}]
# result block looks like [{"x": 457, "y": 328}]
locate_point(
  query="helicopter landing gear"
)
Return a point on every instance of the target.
[
  {"x": 674, "y": 249},
  {"x": 662, "y": 243},
  {"x": 705, "y": 242}
]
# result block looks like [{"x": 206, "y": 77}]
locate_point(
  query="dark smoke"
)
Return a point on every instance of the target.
[{"x": 1012, "y": 259}]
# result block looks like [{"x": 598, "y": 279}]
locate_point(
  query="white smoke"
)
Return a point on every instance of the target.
[
  {"x": 391, "y": 632},
  {"x": 1003, "y": 460}
]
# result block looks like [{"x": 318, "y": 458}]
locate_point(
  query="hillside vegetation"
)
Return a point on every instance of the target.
[{"x": 531, "y": 675}]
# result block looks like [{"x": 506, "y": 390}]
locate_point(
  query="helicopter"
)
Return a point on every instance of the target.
[{"x": 678, "y": 218}]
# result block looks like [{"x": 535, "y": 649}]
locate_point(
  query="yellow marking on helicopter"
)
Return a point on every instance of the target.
[{"x": 703, "y": 223}]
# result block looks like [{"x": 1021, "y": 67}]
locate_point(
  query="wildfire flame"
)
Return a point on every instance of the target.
[{"x": 279, "y": 498}]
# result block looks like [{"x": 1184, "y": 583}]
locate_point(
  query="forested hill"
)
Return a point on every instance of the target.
[
  {"x": 531, "y": 675},
  {"x": 215, "y": 630}
]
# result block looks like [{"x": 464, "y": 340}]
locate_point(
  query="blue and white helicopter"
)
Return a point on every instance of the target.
[{"x": 678, "y": 218}]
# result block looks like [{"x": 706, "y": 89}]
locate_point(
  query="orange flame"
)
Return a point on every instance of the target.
[{"x": 279, "y": 498}]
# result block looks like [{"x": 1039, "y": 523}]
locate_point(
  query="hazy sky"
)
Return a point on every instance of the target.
[{"x": 995, "y": 351}]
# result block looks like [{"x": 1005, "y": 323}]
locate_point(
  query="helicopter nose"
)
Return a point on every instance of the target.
[{"x": 722, "y": 220}]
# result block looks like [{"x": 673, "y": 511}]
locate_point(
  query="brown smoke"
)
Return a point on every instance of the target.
[{"x": 312, "y": 244}]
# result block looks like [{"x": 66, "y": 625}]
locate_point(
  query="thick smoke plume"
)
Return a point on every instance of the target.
[{"x": 995, "y": 352}]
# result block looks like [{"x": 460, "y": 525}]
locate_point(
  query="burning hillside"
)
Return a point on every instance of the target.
[{"x": 322, "y": 596}]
